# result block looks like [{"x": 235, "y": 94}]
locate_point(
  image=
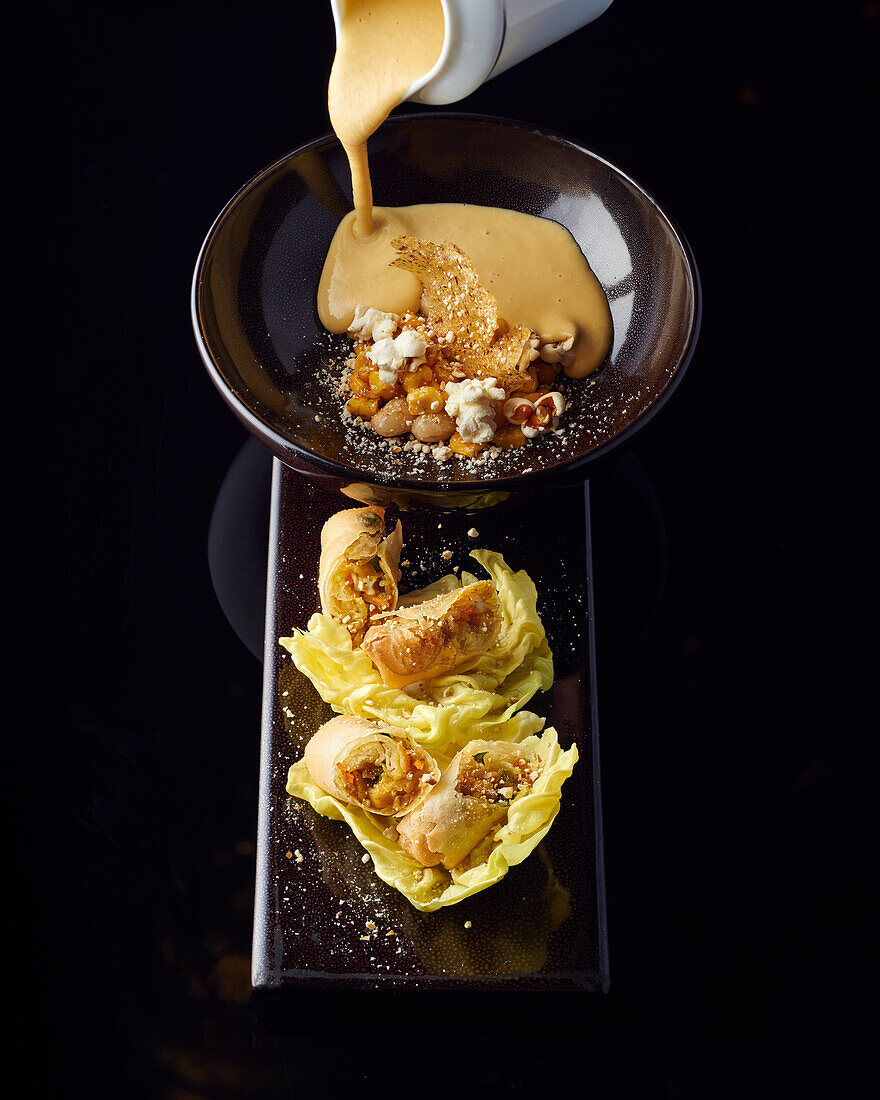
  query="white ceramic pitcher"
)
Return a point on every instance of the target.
[{"x": 485, "y": 37}]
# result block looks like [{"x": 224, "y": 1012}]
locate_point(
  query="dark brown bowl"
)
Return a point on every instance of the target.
[{"x": 257, "y": 328}]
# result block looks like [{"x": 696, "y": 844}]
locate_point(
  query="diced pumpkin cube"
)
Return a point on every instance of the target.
[
  {"x": 529, "y": 381},
  {"x": 426, "y": 399},
  {"x": 509, "y": 437},
  {"x": 414, "y": 379},
  {"x": 463, "y": 447},
  {"x": 358, "y": 383},
  {"x": 363, "y": 406},
  {"x": 546, "y": 373},
  {"x": 380, "y": 389}
]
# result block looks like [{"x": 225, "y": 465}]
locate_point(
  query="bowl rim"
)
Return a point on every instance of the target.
[{"x": 567, "y": 470}]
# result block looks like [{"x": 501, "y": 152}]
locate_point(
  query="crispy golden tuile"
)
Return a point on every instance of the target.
[
  {"x": 452, "y": 296},
  {"x": 454, "y": 301}
]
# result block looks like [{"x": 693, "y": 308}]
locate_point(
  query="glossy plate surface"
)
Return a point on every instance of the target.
[
  {"x": 323, "y": 919},
  {"x": 258, "y": 332}
]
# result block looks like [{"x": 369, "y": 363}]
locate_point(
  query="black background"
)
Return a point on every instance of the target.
[{"x": 732, "y": 780}]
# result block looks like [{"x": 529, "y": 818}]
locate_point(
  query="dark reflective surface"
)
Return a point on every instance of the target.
[
  {"x": 533, "y": 903},
  {"x": 323, "y": 919}
]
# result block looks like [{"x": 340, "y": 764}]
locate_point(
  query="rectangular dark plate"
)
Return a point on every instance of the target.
[{"x": 323, "y": 919}]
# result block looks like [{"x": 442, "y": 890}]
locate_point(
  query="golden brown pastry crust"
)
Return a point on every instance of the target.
[
  {"x": 436, "y": 637},
  {"x": 467, "y": 803},
  {"x": 342, "y": 746},
  {"x": 350, "y": 541}
]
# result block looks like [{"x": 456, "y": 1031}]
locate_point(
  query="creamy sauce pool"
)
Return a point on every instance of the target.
[{"x": 531, "y": 265}]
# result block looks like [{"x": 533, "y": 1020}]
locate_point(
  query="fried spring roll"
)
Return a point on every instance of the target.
[
  {"x": 376, "y": 767},
  {"x": 471, "y": 798},
  {"x": 359, "y": 567},
  {"x": 435, "y": 637}
]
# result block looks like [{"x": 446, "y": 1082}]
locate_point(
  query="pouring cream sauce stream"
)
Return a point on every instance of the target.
[{"x": 531, "y": 265}]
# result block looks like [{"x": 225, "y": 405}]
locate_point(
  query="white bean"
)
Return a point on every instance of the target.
[
  {"x": 433, "y": 427},
  {"x": 394, "y": 418}
]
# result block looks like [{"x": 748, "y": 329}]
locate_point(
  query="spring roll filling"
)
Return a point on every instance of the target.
[
  {"x": 467, "y": 623},
  {"x": 494, "y": 779},
  {"x": 378, "y": 776},
  {"x": 472, "y": 798},
  {"x": 357, "y": 576},
  {"x": 366, "y": 580}
]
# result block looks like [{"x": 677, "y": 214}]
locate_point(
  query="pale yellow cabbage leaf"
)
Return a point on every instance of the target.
[
  {"x": 448, "y": 710},
  {"x": 429, "y": 888}
]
